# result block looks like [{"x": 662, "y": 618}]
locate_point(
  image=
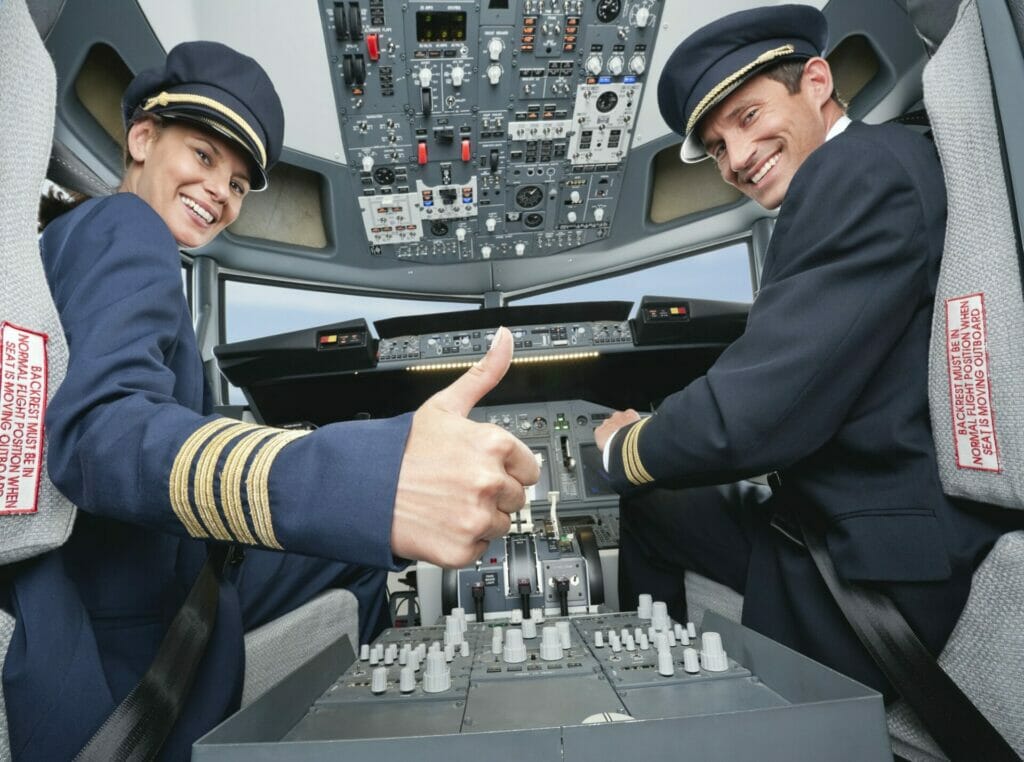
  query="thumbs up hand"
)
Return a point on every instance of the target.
[{"x": 460, "y": 479}]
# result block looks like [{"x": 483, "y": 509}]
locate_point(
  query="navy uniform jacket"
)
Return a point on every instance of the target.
[
  {"x": 133, "y": 444},
  {"x": 828, "y": 384}
]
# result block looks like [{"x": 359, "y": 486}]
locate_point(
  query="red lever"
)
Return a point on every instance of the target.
[
  {"x": 466, "y": 156},
  {"x": 421, "y": 153},
  {"x": 373, "y": 46}
]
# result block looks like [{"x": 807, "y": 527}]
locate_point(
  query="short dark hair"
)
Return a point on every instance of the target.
[{"x": 790, "y": 73}]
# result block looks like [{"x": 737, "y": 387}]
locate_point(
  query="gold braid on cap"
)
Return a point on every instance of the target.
[
  {"x": 166, "y": 99},
  {"x": 709, "y": 99}
]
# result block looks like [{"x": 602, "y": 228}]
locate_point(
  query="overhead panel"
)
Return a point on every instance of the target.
[{"x": 487, "y": 130}]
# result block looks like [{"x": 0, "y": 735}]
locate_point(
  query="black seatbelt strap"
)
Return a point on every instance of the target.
[
  {"x": 140, "y": 724},
  {"x": 960, "y": 730}
]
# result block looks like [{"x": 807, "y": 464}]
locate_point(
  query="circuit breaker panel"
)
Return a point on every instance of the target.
[{"x": 487, "y": 129}]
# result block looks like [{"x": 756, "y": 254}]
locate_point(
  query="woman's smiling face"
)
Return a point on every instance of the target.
[{"x": 194, "y": 179}]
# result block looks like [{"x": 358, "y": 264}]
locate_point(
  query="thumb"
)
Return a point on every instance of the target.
[{"x": 466, "y": 391}]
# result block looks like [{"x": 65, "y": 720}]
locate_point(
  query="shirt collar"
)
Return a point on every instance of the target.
[{"x": 841, "y": 124}]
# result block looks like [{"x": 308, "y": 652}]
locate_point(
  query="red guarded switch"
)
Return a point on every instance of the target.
[
  {"x": 466, "y": 154},
  {"x": 373, "y": 46},
  {"x": 421, "y": 153}
]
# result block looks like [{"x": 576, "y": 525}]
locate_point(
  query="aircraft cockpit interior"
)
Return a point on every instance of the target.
[{"x": 454, "y": 167}]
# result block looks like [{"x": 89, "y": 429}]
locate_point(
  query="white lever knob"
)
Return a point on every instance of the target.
[
  {"x": 425, "y": 76},
  {"x": 515, "y": 649},
  {"x": 379, "y": 680},
  {"x": 494, "y": 74},
  {"x": 494, "y": 48},
  {"x": 643, "y": 16},
  {"x": 550, "y": 645},
  {"x": 458, "y": 76}
]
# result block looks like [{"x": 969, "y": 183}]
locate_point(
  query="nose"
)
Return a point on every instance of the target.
[
  {"x": 218, "y": 184},
  {"x": 741, "y": 155}
]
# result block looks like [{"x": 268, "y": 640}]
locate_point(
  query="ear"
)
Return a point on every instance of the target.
[
  {"x": 140, "y": 139},
  {"x": 817, "y": 80}
]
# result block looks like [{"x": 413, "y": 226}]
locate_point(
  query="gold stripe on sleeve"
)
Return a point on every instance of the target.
[
  {"x": 257, "y": 486},
  {"x": 231, "y": 482},
  {"x": 178, "y": 482},
  {"x": 634, "y": 467},
  {"x": 206, "y": 473}
]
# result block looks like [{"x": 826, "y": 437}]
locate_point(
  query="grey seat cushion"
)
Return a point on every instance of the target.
[{"x": 278, "y": 648}]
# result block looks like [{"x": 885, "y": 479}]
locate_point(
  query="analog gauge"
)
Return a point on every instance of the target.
[
  {"x": 606, "y": 101},
  {"x": 529, "y": 196},
  {"x": 384, "y": 175},
  {"x": 608, "y": 10}
]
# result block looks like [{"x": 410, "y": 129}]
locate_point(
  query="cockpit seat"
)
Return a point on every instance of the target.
[{"x": 27, "y": 96}]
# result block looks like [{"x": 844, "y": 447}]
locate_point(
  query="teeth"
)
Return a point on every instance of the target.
[
  {"x": 196, "y": 208},
  {"x": 764, "y": 170}
]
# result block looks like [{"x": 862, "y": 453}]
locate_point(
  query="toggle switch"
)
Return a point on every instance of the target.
[
  {"x": 466, "y": 151},
  {"x": 421, "y": 153},
  {"x": 373, "y": 46}
]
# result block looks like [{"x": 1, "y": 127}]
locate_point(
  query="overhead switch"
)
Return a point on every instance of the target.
[
  {"x": 458, "y": 76},
  {"x": 466, "y": 151},
  {"x": 494, "y": 48},
  {"x": 421, "y": 153},
  {"x": 494, "y": 74},
  {"x": 373, "y": 46}
]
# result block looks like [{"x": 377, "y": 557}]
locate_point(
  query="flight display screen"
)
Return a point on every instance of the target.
[
  {"x": 440, "y": 26},
  {"x": 596, "y": 481}
]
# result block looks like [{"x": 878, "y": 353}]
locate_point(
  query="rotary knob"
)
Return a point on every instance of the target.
[
  {"x": 367, "y": 163},
  {"x": 643, "y": 17},
  {"x": 598, "y": 214},
  {"x": 494, "y": 48},
  {"x": 458, "y": 76},
  {"x": 425, "y": 75},
  {"x": 575, "y": 197},
  {"x": 494, "y": 74},
  {"x": 615, "y": 65},
  {"x": 490, "y": 223},
  {"x": 594, "y": 65},
  {"x": 520, "y": 249},
  {"x": 485, "y": 252},
  {"x": 637, "y": 64},
  {"x": 460, "y": 234}
]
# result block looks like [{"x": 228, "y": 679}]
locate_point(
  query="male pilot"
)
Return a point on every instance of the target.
[{"x": 827, "y": 388}]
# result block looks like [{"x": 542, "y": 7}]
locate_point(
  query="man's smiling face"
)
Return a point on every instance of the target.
[{"x": 761, "y": 134}]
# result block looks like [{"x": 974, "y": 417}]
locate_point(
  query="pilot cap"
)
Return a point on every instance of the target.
[
  {"x": 718, "y": 58},
  {"x": 218, "y": 87}
]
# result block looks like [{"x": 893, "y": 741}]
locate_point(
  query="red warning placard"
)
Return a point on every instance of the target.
[
  {"x": 970, "y": 384},
  {"x": 22, "y": 408}
]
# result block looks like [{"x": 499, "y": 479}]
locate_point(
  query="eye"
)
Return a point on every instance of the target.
[
  {"x": 749, "y": 116},
  {"x": 203, "y": 156},
  {"x": 238, "y": 188}
]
